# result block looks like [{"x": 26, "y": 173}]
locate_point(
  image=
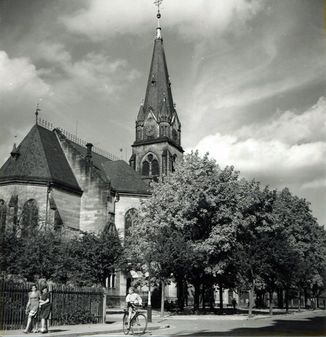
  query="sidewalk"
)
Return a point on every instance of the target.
[{"x": 113, "y": 325}]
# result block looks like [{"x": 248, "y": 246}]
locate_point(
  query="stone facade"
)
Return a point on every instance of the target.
[
  {"x": 15, "y": 196},
  {"x": 94, "y": 201}
]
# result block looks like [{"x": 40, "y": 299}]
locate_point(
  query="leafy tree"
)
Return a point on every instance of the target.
[
  {"x": 255, "y": 235},
  {"x": 93, "y": 257},
  {"x": 305, "y": 241},
  {"x": 180, "y": 218},
  {"x": 85, "y": 260}
]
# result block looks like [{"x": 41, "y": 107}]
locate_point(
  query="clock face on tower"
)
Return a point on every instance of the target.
[{"x": 150, "y": 127}]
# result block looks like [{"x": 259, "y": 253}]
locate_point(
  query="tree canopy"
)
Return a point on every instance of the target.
[{"x": 206, "y": 226}]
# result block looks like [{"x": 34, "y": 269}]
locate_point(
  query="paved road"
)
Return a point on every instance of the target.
[{"x": 301, "y": 324}]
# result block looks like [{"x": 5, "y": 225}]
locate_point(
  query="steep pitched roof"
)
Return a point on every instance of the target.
[
  {"x": 158, "y": 84},
  {"x": 41, "y": 160},
  {"x": 123, "y": 178}
]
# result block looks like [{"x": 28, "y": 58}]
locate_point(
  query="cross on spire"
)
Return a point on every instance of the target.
[
  {"x": 37, "y": 111},
  {"x": 158, "y": 3}
]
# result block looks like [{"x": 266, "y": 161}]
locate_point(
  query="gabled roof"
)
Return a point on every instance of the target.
[
  {"x": 123, "y": 178},
  {"x": 158, "y": 85},
  {"x": 40, "y": 159}
]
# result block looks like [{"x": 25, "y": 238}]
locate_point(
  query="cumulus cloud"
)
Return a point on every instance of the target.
[
  {"x": 291, "y": 149},
  {"x": 193, "y": 19},
  {"x": 19, "y": 74},
  {"x": 292, "y": 127},
  {"x": 20, "y": 89}
]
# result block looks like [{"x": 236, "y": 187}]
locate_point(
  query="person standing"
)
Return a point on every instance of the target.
[
  {"x": 32, "y": 309},
  {"x": 45, "y": 308}
]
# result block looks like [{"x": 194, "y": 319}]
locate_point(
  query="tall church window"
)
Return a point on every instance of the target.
[
  {"x": 174, "y": 159},
  {"x": 3, "y": 215},
  {"x": 130, "y": 218},
  {"x": 145, "y": 168},
  {"x": 155, "y": 168},
  {"x": 138, "y": 134},
  {"x": 29, "y": 217},
  {"x": 150, "y": 166},
  {"x": 175, "y": 135},
  {"x": 58, "y": 223}
]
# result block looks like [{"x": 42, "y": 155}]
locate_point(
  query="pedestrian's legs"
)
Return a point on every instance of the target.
[
  {"x": 129, "y": 315},
  {"x": 44, "y": 325},
  {"x": 28, "y": 325},
  {"x": 35, "y": 324}
]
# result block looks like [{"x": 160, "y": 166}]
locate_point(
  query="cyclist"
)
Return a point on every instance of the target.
[{"x": 133, "y": 300}]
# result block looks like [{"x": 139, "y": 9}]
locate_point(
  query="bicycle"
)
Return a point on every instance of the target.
[{"x": 138, "y": 323}]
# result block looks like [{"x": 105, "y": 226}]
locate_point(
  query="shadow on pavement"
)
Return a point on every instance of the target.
[{"x": 315, "y": 326}]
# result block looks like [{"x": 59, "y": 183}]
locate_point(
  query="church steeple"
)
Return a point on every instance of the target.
[{"x": 158, "y": 129}]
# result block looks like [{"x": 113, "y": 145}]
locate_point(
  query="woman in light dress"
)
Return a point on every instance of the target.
[{"x": 32, "y": 309}]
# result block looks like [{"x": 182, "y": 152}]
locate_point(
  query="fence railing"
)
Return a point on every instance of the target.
[{"x": 70, "y": 305}]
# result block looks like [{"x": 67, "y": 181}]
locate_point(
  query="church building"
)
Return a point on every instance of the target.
[{"x": 52, "y": 179}]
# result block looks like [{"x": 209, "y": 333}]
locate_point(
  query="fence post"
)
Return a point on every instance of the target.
[{"x": 105, "y": 292}]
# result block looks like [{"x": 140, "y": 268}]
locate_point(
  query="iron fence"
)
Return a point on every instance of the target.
[{"x": 70, "y": 305}]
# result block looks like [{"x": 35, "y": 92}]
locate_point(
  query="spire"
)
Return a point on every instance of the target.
[{"x": 158, "y": 84}]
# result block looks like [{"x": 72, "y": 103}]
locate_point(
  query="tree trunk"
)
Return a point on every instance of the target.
[
  {"x": 317, "y": 299},
  {"x": 305, "y": 298},
  {"x": 162, "y": 297},
  {"x": 299, "y": 303},
  {"x": 203, "y": 295},
  {"x": 196, "y": 296},
  {"x": 211, "y": 298},
  {"x": 271, "y": 303},
  {"x": 287, "y": 299},
  {"x": 251, "y": 300},
  {"x": 180, "y": 294},
  {"x": 280, "y": 303},
  {"x": 221, "y": 297}
]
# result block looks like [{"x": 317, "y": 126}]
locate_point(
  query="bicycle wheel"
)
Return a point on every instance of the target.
[
  {"x": 138, "y": 324},
  {"x": 125, "y": 324}
]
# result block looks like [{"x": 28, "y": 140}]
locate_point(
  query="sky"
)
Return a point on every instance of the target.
[{"x": 248, "y": 79}]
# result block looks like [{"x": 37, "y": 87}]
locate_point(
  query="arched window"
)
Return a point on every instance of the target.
[
  {"x": 58, "y": 223},
  {"x": 3, "y": 215},
  {"x": 150, "y": 166},
  {"x": 29, "y": 217},
  {"x": 174, "y": 159},
  {"x": 130, "y": 218},
  {"x": 138, "y": 134},
  {"x": 145, "y": 168},
  {"x": 175, "y": 135},
  {"x": 155, "y": 168}
]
